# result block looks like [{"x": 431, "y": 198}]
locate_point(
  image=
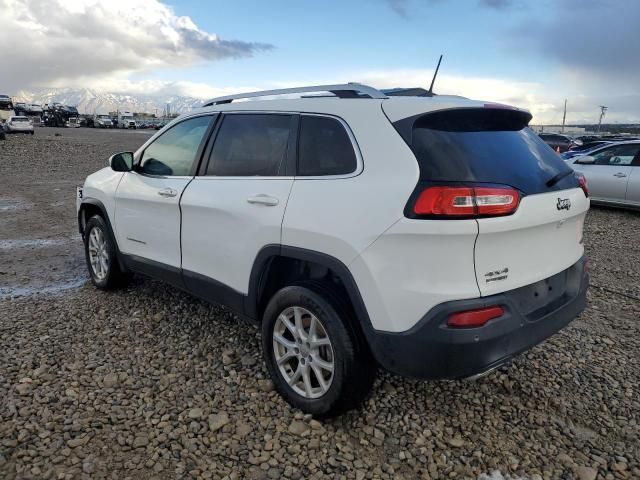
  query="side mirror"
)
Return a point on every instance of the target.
[
  {"x": 121, "y": 162},
  {"x": 585, "y": 160}
]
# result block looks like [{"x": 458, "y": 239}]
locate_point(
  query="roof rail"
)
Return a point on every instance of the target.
[{"x": 346, "y": 90}]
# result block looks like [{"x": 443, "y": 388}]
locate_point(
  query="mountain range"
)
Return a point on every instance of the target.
[{"x": 92, "y": 102}]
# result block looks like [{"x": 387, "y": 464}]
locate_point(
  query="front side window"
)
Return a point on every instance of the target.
[
  {"x": 618, "y": 155},
  {"x": 173, "y": 153},
  {"x": 250, "y": 145},
  {"x": 324, "y": 148}
]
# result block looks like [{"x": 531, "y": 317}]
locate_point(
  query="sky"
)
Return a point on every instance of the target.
[{"x": 532, "y": 54}]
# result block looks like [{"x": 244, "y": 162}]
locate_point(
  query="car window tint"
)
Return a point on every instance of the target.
[
  {"x": 617, "y": 155},
  {"x": 250, "y": 145},
  {"x": 174, "y": 152},
  {"x": 324, "y": 148}
]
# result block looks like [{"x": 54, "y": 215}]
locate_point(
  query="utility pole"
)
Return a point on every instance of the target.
[
  {"x": 564, "y": 115},
  {"x": 603, "y": 110}
]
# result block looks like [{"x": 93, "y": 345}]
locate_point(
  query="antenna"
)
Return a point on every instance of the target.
[{"x": 435, "y": 74}]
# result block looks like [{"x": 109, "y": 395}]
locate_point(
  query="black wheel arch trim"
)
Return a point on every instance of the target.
[
  {"x": 94, "y": 202},
  {"x": 269, "y": 252}
]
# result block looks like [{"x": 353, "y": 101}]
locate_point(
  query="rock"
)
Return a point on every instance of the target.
[
  {"x": 140, "y": 441},
  {"x": 456, "y": 442},
  {"x": 565, "y": 459},
  {"x": 196, "y": 413},
  {"x": 265, "y": 385},
  {"x": 243, "y": 429},
  {"x": 217, "y": 421},
  {"x": 110, "y": 380},
  {"x": 88, "y": 467},
  {"x": 297, "y": 427},
  {"x": 248, "y": 361},
  {"x": 23, "y": 388},
  {"x": 78, "y": 442},
  {"x": 586, "y": 473},
  {"x": 315, "y": 424}
]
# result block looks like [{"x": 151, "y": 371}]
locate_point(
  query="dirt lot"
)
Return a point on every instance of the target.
[{"x": 150, "y": 383}]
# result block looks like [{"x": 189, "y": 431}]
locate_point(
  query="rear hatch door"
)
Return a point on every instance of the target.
[{"x": 492, "y": 147}]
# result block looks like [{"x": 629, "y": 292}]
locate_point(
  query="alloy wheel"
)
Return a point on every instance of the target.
[
  {"x": 98, "y": 255},
  {"x": 303, "y": 352}
]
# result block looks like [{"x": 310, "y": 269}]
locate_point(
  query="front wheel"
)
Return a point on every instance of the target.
[
  {"x": 101, "y": 255},
  {"x": 317, "y": 363}
]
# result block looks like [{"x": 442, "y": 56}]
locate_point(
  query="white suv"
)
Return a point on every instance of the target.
[{"x": 436, "y": 236}]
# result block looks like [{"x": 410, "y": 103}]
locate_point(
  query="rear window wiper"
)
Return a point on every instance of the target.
[{"x": 556, "y": 178}]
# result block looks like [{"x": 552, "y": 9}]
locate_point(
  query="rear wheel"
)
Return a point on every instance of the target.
[
  {"x": 317, "y": 364},
  {"x": 101, "y": 255}
]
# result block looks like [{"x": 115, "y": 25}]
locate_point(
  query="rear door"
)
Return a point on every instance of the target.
[
  {"x": 147, "y": 213},
  {"x": 609, "y": 175},
  {"x": 494, "y": 148},
  {"x": 235, "y": 206}
]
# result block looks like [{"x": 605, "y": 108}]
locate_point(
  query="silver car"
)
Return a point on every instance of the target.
[
  {"x": 612, "y": 173},
  {"x": 18, "y": 123}
]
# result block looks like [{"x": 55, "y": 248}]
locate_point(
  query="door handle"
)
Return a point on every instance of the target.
[
  {"x": 620, "y": 175},
  {"x": 262, "y": 199},
  {"x": 167, "y": 192}
]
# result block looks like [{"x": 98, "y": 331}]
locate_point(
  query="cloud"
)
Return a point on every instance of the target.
[
  {"x": 545, "y": 104},
  {"x": 75, "y": 42},
  {"x": 399, "y": 6},
  {"x": 496, "y": 4},
  {"x": 595, "y": 43}
]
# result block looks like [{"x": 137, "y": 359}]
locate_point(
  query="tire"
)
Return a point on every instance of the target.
[
  {"x": 353, "y": 371},
  {"x": 105, "y": 272}
]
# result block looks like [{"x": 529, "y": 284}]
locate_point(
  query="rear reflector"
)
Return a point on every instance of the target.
[
  {"x": 467, "y": 201},
  {"x": 474, "y": 318},
  {"x": 583, "y": 184}
]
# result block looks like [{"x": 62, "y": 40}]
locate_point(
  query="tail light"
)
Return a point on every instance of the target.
[
  {"x": 474, "y": 318},
  {"x": 583, "y": 184},
  {"x": 453, "y": 201}
]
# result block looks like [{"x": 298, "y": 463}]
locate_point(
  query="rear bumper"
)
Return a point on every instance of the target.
[{"x": 431, "y": 350}]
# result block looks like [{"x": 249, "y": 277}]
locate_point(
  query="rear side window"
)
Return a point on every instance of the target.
[
  {"x": 324, "y": 148},
  {"x": 250, "y": 145},
  {"x": 483, "y": 145}
]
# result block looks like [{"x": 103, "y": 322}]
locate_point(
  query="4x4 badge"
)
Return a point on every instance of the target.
[{"x": 563, "y": 204}]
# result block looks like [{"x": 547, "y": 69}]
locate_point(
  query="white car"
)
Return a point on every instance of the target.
[
  {"x": 19, "y": 124},
  {"x": 436, "y": 237}
]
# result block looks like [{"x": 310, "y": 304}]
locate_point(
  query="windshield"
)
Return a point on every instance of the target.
[
  {"x": 19, "y": 119},
  {"x": 486, "y": 146}
]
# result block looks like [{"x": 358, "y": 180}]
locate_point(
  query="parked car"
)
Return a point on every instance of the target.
[
  {"x": 19, "y": 124},
  {"x": 612, "y": 173},
  {"x": 584, "y": 149},
  {"x": 436, "y": 237},
  {"x": 102, "y": 121},
  {"x": 6, "y": 109},
  {"x": 557, "y": 141}
]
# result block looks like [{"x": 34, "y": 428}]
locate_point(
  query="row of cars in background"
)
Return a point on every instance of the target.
[
  {"x": 611, "y": 165},
  {"x": 20, "y": 116}
]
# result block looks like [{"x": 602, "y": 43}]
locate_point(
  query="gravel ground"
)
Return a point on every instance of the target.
[{"x": 150, "y": 383}]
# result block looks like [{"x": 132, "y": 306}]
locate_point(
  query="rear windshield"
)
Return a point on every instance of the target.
[
  {"x": 485, "y": 146},
  {"x": 20, "y": 119}
]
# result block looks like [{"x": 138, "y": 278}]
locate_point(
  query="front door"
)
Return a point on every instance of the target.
[
  {"x": 608, "y": 176},
  {"x": 147, "y": 213}
]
